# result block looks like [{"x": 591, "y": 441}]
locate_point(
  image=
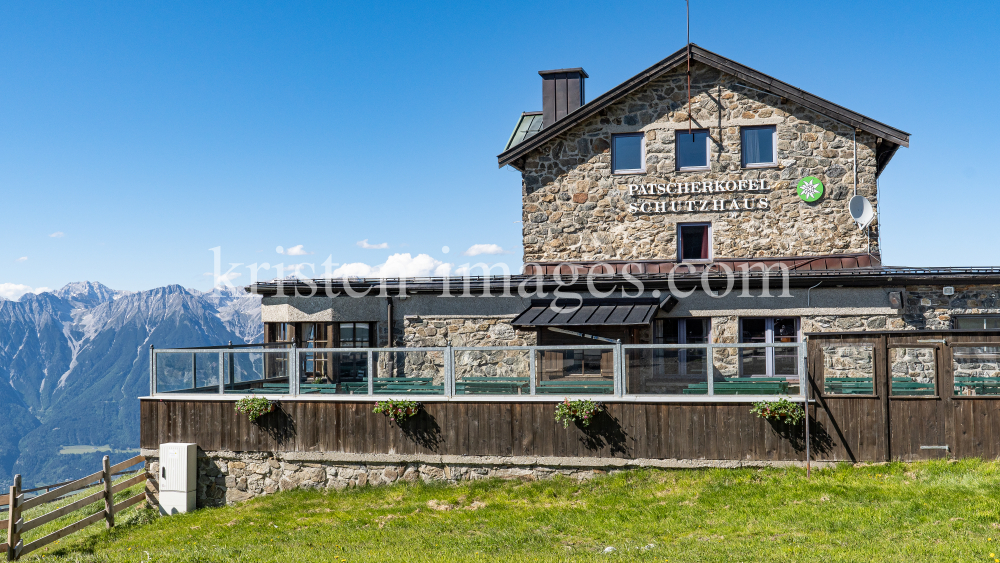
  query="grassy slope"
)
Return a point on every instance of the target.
[{"x": 919, "y": 512}]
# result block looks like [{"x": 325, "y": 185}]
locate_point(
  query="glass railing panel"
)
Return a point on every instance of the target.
[
  {"x": 584, "y": 371},
  {"x": 492, "y": 372},
  {"x": 187, "y": 372},
  {"x": 977, "y": 370},
  {"x": 409, "y": 372},
  {"x": 849, "y": 369},
  {"x": 666, "y": 371},
  {"x": 756, "y": 370},
  {"x": 333, "y": 373},
  {"x": 257, "y": 372}
]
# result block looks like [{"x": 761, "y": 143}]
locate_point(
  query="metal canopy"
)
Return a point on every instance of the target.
[{"x": 593, "y": 312}]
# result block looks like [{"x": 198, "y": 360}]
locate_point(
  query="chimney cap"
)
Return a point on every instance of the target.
[{"x": 564, "y": 70}]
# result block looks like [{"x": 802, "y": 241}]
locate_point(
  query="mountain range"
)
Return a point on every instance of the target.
[{"x": 73, "y": 362}]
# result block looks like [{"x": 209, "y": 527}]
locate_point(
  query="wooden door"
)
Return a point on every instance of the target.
[{"x": 919, "y": 398}]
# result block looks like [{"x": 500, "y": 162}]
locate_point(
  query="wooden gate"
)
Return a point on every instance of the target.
[{"x": 895, "y": 395}]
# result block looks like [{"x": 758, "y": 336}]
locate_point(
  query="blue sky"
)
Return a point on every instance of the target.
[{"x": 136, "y": 136}]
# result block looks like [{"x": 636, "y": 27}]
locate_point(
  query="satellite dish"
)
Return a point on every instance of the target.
[{"x": 861, "y": 211}]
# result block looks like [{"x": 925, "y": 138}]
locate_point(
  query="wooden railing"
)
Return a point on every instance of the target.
[{"x": 17, "y": 505}]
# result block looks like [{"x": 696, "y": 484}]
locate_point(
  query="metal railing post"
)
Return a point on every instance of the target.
[
  {"x": 222, "y": 373},
  {"x": 710, "y": 368},
  {"x": 293, "y": 384},
  {"x": 803, "y": 372},
  {"x": 371, "y": 374},
  {"x": 449, "y": 371},
  {"x": 619, "y": 369},
  {"x": 152, "y": 370},
  {"x": 532, "y": 370},
  {"x": 194, "y": 370}
]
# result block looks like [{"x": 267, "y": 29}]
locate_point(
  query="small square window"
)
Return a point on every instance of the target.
[
  {"x": 694, "y": 242},
  {"x": 693, "y": 150},
  {"x": 759, "y": 146},
  {"x": 628, "y": 153}
]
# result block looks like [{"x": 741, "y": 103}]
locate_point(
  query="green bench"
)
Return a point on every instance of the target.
[
  {"x": 741, "y": 386},
  {"x": 576, "y": 386},
  {"x": 492, "y": 386}
]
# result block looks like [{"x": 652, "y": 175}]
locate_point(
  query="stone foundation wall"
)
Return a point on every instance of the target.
[{"x": 233, "y": 477}]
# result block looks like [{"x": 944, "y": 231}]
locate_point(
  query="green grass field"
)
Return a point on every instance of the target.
[{"x": 936, "y": 511}]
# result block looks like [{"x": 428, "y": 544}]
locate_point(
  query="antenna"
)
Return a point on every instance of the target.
[
  {"x": 687, "y": 3},
  {"x": 861, "y": 211}
]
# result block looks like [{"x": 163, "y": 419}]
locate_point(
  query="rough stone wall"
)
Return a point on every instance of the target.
[
  {"x": 928, "y": 307},
  {"x": 917, "y": 364},
  {"x": 233, "y": 477},
  {"x": 574, "y": 208},
  {"x": 849, "y": 360},
  {"x": 421, "y": 331}
]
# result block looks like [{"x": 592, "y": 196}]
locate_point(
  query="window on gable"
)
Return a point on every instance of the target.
[
  {"x": 693, "y": 149},
  {"x": 759, "y": 146},
  {"x": 694, "y": 241},
  {"x": 628, "y": 153}
]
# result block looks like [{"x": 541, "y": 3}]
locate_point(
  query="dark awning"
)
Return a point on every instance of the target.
[{"x": 603, "y": 312}]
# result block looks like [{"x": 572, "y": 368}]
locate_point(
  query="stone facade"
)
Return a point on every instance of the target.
[
  {"x": 928, "y": 307},
  {"x": 231, "y": 477},
  {"x": 574, "y": 208}
]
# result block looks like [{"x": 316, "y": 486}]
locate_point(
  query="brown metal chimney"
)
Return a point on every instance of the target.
[{"x": 562, "y": 92}]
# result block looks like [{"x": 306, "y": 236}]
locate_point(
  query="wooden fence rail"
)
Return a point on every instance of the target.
[{"x": 17, "y": 504}]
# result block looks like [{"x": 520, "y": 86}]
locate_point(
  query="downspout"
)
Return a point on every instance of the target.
[
  {"x": 388, "y": 314},
  {"x": 810, "y": 289}
]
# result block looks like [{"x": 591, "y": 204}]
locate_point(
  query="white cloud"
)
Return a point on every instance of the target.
[
  {"x": 477, "y": 249},
  {"x": 396, "y": 266},
  {"x": 22, "y": 259},
  {"x": 296, "y": 250},
  {"x": 58, "y": 234},
  {"x": 14, "y": 291},
  {"x": 366, "y": 244}
]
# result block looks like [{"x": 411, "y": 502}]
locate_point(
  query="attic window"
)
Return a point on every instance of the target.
[
  {"x": 693, "y": 150},
  {"x": 628, "y": 153}
]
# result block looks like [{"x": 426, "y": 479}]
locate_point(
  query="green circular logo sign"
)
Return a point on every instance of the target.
[{"x": 810, "y": 189}]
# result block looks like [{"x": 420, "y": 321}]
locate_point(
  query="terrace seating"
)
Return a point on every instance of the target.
[
  {"x": 849, "y": 386},
  {"x": 742, "y": 386},
  {"x": 492, "y": 386},
  {"x": 979, "y": 385},
  {"x": 575, "y": 386}
]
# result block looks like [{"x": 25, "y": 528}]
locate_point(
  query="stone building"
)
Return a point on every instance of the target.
[{"x": 694, "y": 241}]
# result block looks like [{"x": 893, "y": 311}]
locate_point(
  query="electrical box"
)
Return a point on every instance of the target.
[{"x": 178, "y": 477}]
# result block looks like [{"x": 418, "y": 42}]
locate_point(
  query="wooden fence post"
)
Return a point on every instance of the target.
[
  {"x": 14, "y": 519},
  {"x": 109, "y": 497}
]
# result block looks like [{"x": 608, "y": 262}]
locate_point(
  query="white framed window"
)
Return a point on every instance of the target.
[
  {"x": 681, "y": 331},
  {"x": 759, "y": 146},
  {"x": 628, "y": 153},
  {"x": 977, "y": 322},
  {"x": 693, "y": 149},
  {"x": 769, "y": 362},
  {"x": 694, "y": 242}
]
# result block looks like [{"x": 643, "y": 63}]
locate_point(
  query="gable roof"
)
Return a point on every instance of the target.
[{"x": 754, "y": 78}]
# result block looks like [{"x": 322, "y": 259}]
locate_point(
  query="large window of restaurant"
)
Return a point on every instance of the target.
[
  {"x": 759, "y": 146},
  {"x": 694, "y": 241},
  {"x": 353, "y": 367},
  {"x": 628, "y": 153},
  {"x": 325, "y": 366},
  {"x": 674, "y": 371},
  {"x": 978, "y": 322},
  {"x": 693, "y": 149},
  {"x": 772, "y": 361}
]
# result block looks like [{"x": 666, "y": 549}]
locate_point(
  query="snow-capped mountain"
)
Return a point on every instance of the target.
[{"x": 73, "y": 361}]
